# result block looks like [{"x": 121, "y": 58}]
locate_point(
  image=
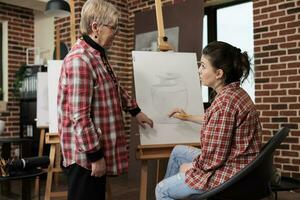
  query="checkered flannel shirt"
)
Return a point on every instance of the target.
[
  {"x": 230, "y": 139},
  {"x": 90, "y": 106}
]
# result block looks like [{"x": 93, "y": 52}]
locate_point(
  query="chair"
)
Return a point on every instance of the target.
[
  {"x": 286, "y": 184},
  {"x": 252, "y": 182}
]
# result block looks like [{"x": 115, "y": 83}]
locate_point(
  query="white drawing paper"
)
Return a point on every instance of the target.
[
  {"x": 42, "y": 100},
  {"x": 54, "y": 67},
  {"x": 163, "y": 81}
]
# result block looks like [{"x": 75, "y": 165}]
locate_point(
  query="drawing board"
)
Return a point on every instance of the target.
[
  {"x": 54, "y": 67},
  {"x": 42, "y": 100},
  {"x": 163, "y": 81}
]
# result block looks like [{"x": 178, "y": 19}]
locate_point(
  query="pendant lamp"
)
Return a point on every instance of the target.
[{"x": 57, "y": 8}]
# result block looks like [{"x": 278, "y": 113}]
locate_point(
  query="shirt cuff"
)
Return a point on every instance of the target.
[
  {"x": 134, "y": 111},
  {"x": 93, "y": 157}
]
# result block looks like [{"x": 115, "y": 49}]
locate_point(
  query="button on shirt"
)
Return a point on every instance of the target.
[
  {"x": 90, "y": 103},
  {"x": 230, "y": 139}
]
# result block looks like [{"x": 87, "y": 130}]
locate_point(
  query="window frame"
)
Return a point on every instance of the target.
[
  {"x": 4, "y": 60},
  {"x": 211, "y": 13}
]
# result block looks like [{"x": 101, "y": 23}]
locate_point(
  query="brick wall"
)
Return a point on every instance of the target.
[
  {"x": 20, "y": 37},
  {"x": 277, "y": 71}
]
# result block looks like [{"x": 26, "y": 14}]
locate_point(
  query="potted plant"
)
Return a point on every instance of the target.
[{"x": 19, "y": 77}]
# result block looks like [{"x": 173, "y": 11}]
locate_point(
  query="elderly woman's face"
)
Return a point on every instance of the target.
[{"x": 105, "y": 35}]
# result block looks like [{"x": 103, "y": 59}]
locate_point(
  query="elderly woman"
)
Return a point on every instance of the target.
[
  {"x": 90, "y": 102},
  {"x": 231, "y": 130}
]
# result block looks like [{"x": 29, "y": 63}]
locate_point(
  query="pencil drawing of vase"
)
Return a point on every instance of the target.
[{"x": 170, "y": 92}]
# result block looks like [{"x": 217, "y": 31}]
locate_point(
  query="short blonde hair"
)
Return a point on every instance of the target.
[{"x": 98, "y": 11}]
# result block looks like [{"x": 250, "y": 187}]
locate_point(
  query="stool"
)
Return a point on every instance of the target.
[{"x": 286, "y": 184}]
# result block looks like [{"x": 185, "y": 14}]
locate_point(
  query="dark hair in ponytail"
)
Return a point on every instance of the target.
[{"x": 231, "y": 60}]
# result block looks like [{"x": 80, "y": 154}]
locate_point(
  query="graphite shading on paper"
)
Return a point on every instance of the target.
[{"x": 163, "y": 81}]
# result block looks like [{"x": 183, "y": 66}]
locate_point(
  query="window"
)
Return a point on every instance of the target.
[
  {"x": 238, "y": 33},
  {"x": 205, "y": 91},
  {"x": 222, "y": 24},
  {"x": 3, "y": 61}
]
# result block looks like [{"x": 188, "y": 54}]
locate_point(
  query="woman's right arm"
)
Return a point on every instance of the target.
[{"x": 182, "y": 115}]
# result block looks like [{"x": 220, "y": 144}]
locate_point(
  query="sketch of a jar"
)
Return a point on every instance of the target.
[{"x": 169, "y": 93}]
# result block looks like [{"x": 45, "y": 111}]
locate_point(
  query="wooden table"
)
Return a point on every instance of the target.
[
  {"x": 24, "y": 144},
  {"x": 25, "y": 177}
]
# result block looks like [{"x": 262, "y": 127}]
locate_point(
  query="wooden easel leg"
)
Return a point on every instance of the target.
[
  {"x": 143, "y": 186},
  {"x": 108, "y": 189},
  {"x": 50, "y": 172},
  {"x": 40, "y": 153},
  {"x": 157, "y": 171},
  {"x": 57, "y": 164}
]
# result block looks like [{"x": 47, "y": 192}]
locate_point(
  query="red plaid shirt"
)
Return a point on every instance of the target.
[
  {"x": 90, "y": 111},
  {"x": 230, "y": 139}
]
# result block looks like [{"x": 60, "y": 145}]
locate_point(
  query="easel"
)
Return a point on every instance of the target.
[
  {"x": 53, "y": 138},
  {"x": 40, "y": 153},
  {"x": 162, "y": 40},
  {"x": 54, "y": 166},
  {"x": 155, "y": 152}
]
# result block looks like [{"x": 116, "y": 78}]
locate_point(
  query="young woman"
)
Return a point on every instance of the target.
[{"x": 230, "y": 137}]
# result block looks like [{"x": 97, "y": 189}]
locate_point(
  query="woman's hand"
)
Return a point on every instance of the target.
[
  {"x": 143, "y": 119},
  {"x": 179, "y": 113},
  {"x": 185, "y": 166},
  {"x": 98, "y": 168}
]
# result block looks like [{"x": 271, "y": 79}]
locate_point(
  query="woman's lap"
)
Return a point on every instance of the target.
[{"x": 174, "y": 187}]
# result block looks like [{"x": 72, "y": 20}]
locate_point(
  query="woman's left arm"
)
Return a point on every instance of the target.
[
  {"x": 129, "y": 104},
  {"x": 216, "y": 144}
]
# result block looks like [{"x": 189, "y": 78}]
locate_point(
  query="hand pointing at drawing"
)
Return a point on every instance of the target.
[
  {"x": 179, "y": 113},
  {"x": 143, "y": 119}
]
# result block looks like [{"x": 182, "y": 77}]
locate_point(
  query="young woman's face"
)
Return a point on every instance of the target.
[{"x": 208, "y": 74}]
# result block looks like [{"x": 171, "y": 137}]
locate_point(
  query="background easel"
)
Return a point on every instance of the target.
[
  {"x": 40, "y": 153},
  {"x": 52, "y": 137}
]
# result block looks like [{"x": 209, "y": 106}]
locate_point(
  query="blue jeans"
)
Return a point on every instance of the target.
[{"x": 173, "y": 186}]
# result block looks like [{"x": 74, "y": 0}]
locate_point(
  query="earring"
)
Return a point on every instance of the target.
[{"x": 96, "y": 37}]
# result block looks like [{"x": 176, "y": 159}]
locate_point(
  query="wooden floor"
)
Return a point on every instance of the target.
[{"x": 122, "y": 188}]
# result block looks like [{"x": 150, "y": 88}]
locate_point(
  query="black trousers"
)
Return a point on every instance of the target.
[{"x": 81, "y": 185}]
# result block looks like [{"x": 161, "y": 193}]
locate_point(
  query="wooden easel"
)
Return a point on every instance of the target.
[
  {"x": 162, "y": 40},
  {"x": 40, "y": 153},
  {"x": 54, "y": 167},
  {"x": 53, "y": 138}
]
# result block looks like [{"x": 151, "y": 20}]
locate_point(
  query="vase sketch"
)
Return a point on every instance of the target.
[{"x": 169, "y": 93}]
